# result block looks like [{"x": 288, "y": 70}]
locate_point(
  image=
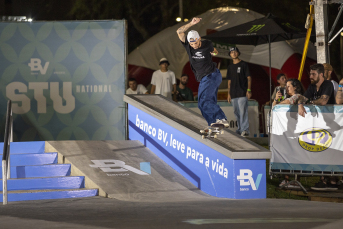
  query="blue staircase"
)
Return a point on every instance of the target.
[{"x": 35, "y": 175}]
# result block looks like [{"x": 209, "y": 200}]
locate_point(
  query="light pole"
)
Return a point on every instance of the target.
[{"x": 181, "y": 9}]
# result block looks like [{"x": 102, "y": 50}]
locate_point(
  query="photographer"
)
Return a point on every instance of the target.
[{"x": 294, "y": 90}]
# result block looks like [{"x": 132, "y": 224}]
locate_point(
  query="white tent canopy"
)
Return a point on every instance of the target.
[{"x": 167, "y": 44}]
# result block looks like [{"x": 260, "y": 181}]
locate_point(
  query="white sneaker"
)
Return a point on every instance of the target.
[
  {"x": 244, "y": 134},
  {"x": 222, "y": 121}
]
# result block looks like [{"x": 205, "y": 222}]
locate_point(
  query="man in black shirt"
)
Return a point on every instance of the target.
[
  {"x": 184, "y": 93},
  {"x": 239, "y": 90},
  {"x": 200, "y": 57},
  {"x": 320, "y": 91}
]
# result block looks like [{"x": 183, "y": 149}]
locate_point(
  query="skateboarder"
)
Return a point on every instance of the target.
[{"x": 200, "y": 57}]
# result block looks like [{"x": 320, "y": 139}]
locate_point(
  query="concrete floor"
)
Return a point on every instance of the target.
[{"x": 100, "y": 212}]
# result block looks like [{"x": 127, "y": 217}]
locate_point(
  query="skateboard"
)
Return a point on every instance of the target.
[{"x": 212, "y": 131}]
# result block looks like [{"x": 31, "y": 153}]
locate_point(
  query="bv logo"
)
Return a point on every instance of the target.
[
  {"x": 255, "y": 28},
  {"x": 315, "y": 139},
  {"x": 118, "y": 166},
  {"x": 36, "y": 65},
  {"x": 245, "y": 179}
]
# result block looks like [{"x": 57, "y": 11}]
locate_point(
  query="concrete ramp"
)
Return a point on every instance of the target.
[
  {"x": 125, "y": 170},
  {"x": 190, "y": 123},
  {"x": 230, "y": 166}
]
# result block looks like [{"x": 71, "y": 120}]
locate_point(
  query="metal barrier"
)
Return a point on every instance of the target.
[{"x": 8, "y": 138}]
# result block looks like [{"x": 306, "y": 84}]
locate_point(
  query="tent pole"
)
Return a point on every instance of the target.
[{"x": 270, "y": 88}]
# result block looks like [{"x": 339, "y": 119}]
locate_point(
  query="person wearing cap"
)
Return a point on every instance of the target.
[
  {"x": 184, "y": 93},
  {"x": 200, "y": 57},
  {"x": 327, "y": 75},
  {"x": 239, "y": 90},
  {"x": 163, "y": 81}
]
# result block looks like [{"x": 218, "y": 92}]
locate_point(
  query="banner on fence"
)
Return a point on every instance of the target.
[{"x": 310, "y": 143}]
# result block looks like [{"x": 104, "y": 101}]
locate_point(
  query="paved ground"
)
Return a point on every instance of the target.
[{"x": 100, "y": 212}]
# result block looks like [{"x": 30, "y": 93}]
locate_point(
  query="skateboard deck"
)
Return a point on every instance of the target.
[{"x": 212, "y": 131}]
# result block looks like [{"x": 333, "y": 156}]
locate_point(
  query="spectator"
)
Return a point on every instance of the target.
[
  {"x": 327, "y": 75},
  {"x": 294, "y": 90},
  {"x": 320, "y": 91},
  {"x": 135, "y": 89},
  {"x": 163, "y": 81},
  {"x": 281, "y": 79},
  {"x": 184, "y": 93},
  {"x": 239, "y": 90},
  {"x": 339, "y": 96}
]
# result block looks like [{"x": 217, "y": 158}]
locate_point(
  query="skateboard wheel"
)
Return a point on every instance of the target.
[
  {"x": 210, "y": 131},
  {"x": 222, "y": 132},
  {"x": 215, "y": 136},
  {"x": 202, "y": 131},
  {"x": 203, "y": 136}
]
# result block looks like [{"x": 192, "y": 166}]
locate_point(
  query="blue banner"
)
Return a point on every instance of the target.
[
  {"x": 208, "y": 169},
  {"x": 66, "y": 79}
]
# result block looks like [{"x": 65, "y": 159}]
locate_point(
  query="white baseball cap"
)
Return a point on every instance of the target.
[
  {"x": 164, "y": 60},
  {"x": 193, "y": 36}
]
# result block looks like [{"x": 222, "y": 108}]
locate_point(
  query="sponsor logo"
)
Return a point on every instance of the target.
[
  {"x": 290, "y": 26},
  {"x": 64, "y": 104},
  {"x": 36, "y": 65},
  {"x": 116, "y": 166},
  {"x": 255, "y": 28},
  {"x": 198, "y": 55},
  {"x": 315, "y": 139},
  {"x": 245, "y": 179}
]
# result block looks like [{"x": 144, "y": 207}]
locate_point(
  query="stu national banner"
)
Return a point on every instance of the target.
[{"x": 66, "y": 80}]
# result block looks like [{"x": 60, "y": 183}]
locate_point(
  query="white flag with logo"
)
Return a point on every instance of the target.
[{"x": 310, "y": 143}]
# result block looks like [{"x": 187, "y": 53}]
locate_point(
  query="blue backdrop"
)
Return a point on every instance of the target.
[{"x": 66, "y": 79}]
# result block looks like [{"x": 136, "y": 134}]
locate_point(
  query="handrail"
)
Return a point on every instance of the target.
[{"x": 6, "y": 168}]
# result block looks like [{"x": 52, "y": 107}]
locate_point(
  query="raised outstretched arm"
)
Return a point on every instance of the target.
[{"x": 181, "y": 31}]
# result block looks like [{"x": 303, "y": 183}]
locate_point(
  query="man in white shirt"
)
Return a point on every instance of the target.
[
  {"x": 135, "y": 89},
  {"x": 163, "y": 81},
  {"x": 328, "y": 69}
]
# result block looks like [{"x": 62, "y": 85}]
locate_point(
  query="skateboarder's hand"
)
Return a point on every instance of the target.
[
  {"x": 229, "y": 98},
  {"x": 249, "y": 94},
  {"x": 195, "y": 20}
]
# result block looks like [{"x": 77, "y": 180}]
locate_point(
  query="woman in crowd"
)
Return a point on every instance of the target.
[{"x": 294, "y": 90}]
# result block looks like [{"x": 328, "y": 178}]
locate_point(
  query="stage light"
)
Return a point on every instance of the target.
[
  {"x": 185, "y": 20},
  {"x": 29, "y": 20},
  {"x": 178, "y": 19}
]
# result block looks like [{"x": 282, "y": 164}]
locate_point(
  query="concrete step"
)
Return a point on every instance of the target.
[
  {"x": 33, "y": 159},
  {"x": 25, "y": 147},
  {"x": 53, "y": 170},
  {"x": 45, "y": 183},
  {"x": 49, "y": 194}
]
